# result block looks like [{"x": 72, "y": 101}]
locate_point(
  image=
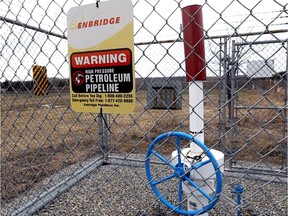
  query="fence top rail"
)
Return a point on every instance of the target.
[
  {"x": 260, "y": 42},
  {"x": 24, "y": 25}
]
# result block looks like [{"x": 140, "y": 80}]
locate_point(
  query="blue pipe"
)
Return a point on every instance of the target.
[{"x": 238, "y": 190}]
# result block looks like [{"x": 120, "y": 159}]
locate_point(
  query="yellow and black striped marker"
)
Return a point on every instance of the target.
[{"x": 40, "y": 80}]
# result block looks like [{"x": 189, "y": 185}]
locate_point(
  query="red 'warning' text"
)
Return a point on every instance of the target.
[{"x": 101, "y": 58}]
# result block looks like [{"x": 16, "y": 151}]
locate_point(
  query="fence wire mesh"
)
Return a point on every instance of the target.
[{"x": 55, "y": 161}]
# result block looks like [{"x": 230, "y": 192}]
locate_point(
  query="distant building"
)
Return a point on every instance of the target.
[{"x": 260, "y": 68}]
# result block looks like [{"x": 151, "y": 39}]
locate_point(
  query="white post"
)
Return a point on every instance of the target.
[{"x": 196, "y": 112}]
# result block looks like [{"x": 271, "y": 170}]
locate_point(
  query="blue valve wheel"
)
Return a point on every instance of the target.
[{"x": 181, "y": 173}]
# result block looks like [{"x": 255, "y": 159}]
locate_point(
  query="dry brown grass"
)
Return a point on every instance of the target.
[{"x": 42, "y": 135}]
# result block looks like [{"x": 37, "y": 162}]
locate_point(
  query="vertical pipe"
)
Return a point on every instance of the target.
[
  {"x": 223, "y": 95},
  {"x": 286, "y": 114},
  {"x": 193, "y": 35},
  {"x": 195, "y": 64},
  {"x": 220, "y": 118},
  {"x": 232, "y": 103},
  {"x": 196, "y": 110}
]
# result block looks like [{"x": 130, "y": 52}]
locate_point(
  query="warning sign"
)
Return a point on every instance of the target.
[
  {"x": 101, "y": 48},
  {"x": 108, "y": 71}
]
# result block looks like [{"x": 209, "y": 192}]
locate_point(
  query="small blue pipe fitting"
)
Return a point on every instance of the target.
[{"x": 238, "y": 190}]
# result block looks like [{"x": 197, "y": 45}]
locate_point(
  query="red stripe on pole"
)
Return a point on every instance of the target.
[{"x": 194, "y": 43}]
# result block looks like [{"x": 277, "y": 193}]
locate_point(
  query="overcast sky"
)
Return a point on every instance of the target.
[{"x": 21, "y": 48}]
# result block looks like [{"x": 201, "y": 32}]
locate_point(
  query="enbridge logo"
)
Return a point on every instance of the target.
[
  {"x": 77, "y": 22},
  {"x": 98, "y": 22}
]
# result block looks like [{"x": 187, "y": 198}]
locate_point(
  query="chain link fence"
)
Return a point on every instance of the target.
[{"x": 55, "y": 161}]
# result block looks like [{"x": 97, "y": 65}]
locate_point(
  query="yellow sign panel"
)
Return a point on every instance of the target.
[
  {"x": 40, "y": 80},
  {"x": 101, "y": 53}
]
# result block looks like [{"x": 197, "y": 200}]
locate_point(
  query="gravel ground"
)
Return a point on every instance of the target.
[{"x": 123, "y": 190}]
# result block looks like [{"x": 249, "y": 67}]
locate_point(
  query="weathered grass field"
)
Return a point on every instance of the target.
[{"x": 42, "y": 135}]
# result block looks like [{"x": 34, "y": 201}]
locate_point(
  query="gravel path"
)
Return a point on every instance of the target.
[{"x": 123, "y": 190}]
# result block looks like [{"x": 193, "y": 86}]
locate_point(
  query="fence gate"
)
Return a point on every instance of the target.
[
  {"x": 266, "y": 111},
  {"x": 55, "y": 161}
]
